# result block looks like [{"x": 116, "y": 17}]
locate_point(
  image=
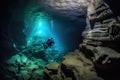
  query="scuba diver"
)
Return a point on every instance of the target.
[{"x": 49, "y": 43}]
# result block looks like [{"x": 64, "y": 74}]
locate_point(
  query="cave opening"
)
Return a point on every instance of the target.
[{"x": 41, "y": 24}]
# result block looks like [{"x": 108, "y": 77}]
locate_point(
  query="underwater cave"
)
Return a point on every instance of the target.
[{"x": 59, "y": 40}]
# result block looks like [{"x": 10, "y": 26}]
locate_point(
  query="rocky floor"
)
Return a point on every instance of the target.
[
  {"x": 20, "y": 67},
  {"x": 93, "y": 63}
]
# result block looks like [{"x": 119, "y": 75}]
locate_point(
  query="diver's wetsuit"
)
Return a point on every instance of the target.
[{"x": 49, "y": 43}]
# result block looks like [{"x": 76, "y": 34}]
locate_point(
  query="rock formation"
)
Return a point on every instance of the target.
[
  {"x": 20, "y": 67},
  {"x": 69, "y": 9},
  {"x": 98, "y": 57},
  {"x": 102, "y": 25},
  {"x": 75, "y": 66}
]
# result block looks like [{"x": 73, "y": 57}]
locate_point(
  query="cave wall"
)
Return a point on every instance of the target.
[
  {"x": 11, "y": 26},
  {"x": 98, "y": 57}
]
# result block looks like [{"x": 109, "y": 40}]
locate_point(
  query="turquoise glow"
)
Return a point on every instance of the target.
[
  {"x": 40, "y": 32},
  {"x": 40, "y": 24},
  {"x": 39, "y": 28},
  {"x": 43, "y": 28}
]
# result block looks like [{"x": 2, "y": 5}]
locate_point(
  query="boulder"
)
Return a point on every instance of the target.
[
  {"x": 75, "y": 66},
  {"x": 20, "y": 67},
  {"x": 51, "y": 71}
]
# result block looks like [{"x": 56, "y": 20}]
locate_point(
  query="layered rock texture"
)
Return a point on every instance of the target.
[
  {"x": 70, "y": 9},
  {"x": 75, "y": 66},
  {"x": 73, "y": 9},
  {"x": 98, "y": 57},
  {"x": 102, "y": 25}
]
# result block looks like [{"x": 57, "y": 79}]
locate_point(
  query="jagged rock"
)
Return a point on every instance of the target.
[
  {"x": 51, "y": 71},
  {"x": 102, "y": 8},
  {"x": 71, "y": 68},
  {"x": 100, "y": 55},
  {"x": 24, "y": 75},
  {"x": 114, "y": 31},
  {"x": 19, "y": 58},
  {"x": 20, "y": 67},
  {"x": 92, "y": 42},
  {"x": 108, "y": 20},
  {"x": 98, "y": 10},
  {"x": 105, "y": 55},
  {"x": 105, "y": 15},
  {"x": 52, "y": 66},
  {"x": 75, "y": 66},
  {"x": 76, "y": 8},
  {"x": 88, "y": 50},
  {"x": 106, "y": 60},
  {"x": 97, "y": 3},
  {"x": 102, "y": 26}
]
